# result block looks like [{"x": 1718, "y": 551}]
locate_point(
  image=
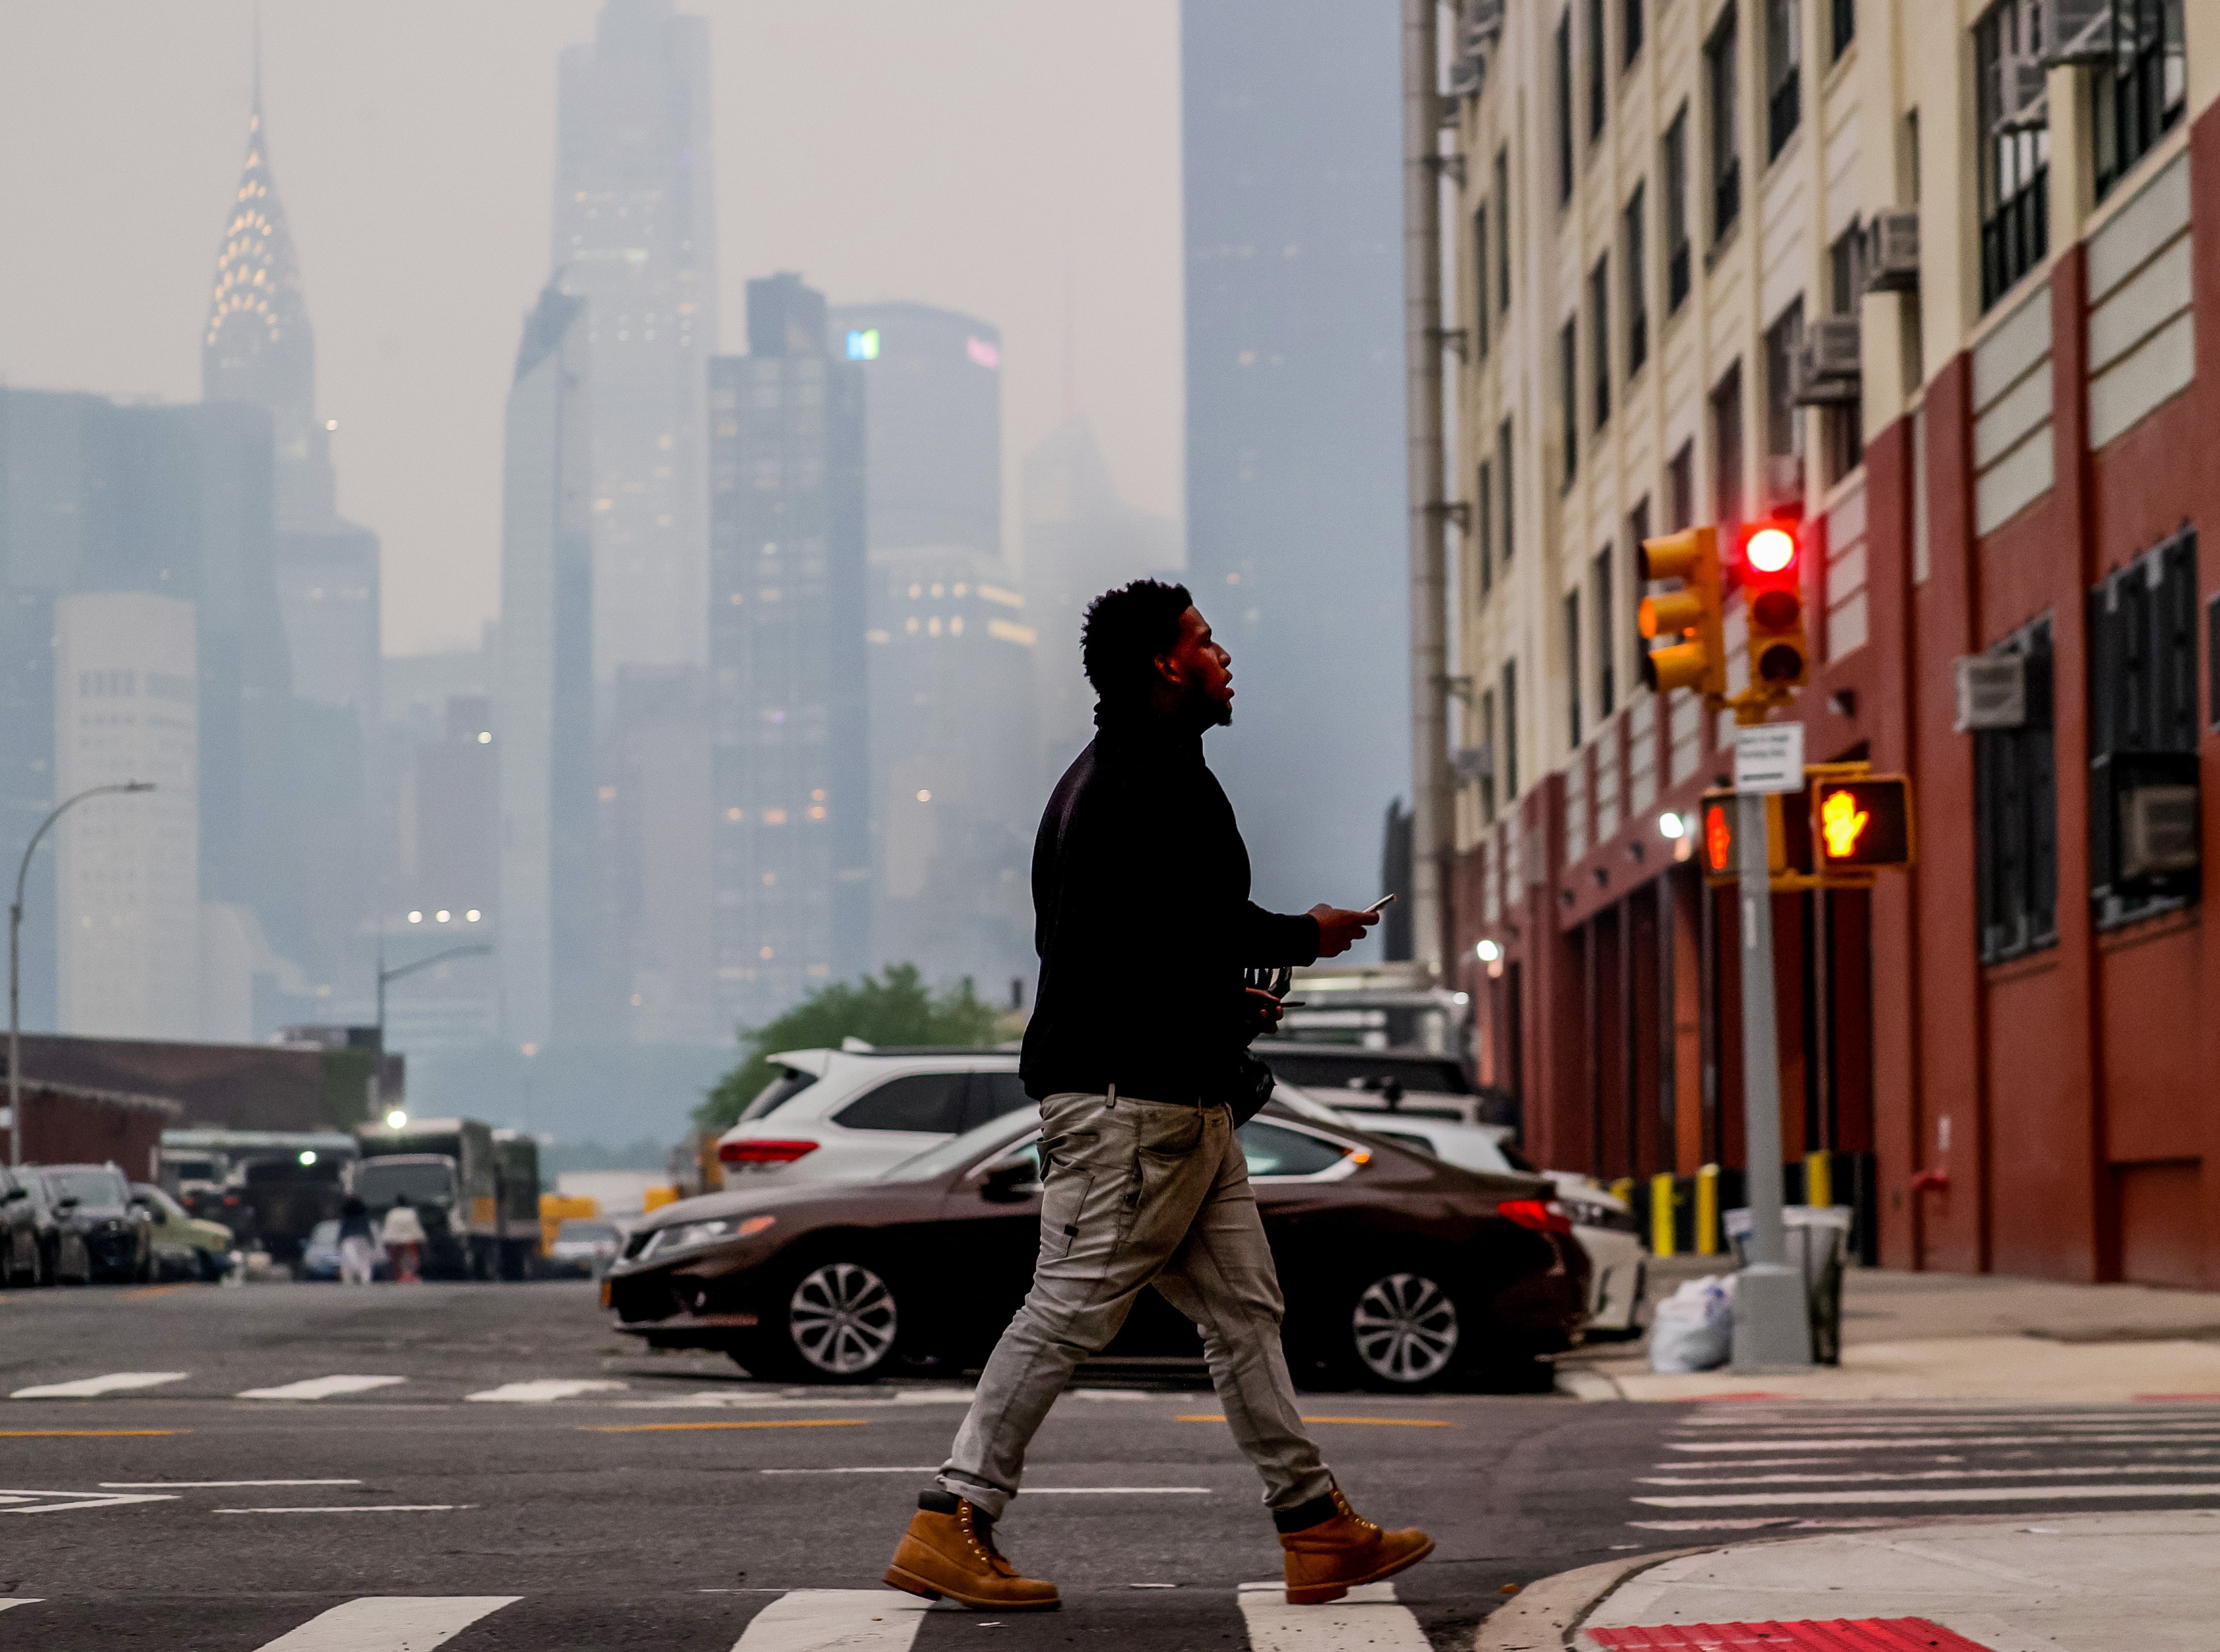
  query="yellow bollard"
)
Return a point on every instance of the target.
[
  {"x": 1707, "y": 1210},
  {"x": 1819, "y": 1179},
  {"x": 1660, "y": 1213},
  {"x": 1622, "y": 1189}
]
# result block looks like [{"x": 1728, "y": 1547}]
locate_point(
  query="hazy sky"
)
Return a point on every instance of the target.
[{"x": 976, "y": 153}]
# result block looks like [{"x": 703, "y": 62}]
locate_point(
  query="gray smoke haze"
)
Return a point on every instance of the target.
[{"x": 988, "y": 155}]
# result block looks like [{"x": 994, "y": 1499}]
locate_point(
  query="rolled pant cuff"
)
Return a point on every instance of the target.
[{"x": 989, "y": 1501}]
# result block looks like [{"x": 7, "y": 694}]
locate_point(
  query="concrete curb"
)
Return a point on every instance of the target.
[{"x": 1546, "y": 1615}]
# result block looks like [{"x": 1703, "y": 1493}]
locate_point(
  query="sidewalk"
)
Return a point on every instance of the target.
[
  {"x": 1957, "y": 1336},
  {"x": 2067, "y": 1583}
]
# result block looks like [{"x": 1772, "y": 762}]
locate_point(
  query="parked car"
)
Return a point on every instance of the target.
[
  {"x": 97, "y": 1233},
  {"x": 1418, "y": 1082},
  {"x": 585, "y": 1245},
  {"x": 320, "y": 1256},
  {"x": 839, "y": 1114},
  {"x": 184, "y": 1245},
  {"x": 1399, "y": 1269},
  {"x": 1602, "y": 1222},
  {"x": 22, "y": 1255}
]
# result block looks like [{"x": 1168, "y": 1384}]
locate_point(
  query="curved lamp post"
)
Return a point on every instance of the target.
[
  {"x": 384, "y": 975},
  {"x": 15, "y": 963}
]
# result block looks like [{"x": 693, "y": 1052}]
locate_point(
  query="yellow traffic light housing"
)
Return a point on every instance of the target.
[{"x": 1699, "y": 660}]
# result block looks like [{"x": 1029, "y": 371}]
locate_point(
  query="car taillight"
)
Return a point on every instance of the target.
[
  {"x": 759, "y": 1151},
  {"x": 1543, "y": 1215}
]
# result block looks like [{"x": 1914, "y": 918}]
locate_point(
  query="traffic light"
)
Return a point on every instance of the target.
[
  {"x": 1862, "y": 823},
  {"x": 1773, "y": 597},
  {"x": 1699, "y": 660},
  {"x": 1715, "y": 823}
]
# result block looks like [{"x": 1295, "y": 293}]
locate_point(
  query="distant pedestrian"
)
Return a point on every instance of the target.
[
  {"x": 404, "y": 1236},
  {"x": 358, "y": 1243}
]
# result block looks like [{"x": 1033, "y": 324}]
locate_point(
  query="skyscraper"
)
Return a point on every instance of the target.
[
  {"x": 954, "y": 759},
  {"x": 635, "y": 236},
  {"x": 791, "y": 853},
  {"x": 1295, "y": 519},
  {"x": 543, "y": 703}
]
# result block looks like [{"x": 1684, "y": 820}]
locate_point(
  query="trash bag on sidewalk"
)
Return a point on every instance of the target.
[{"x": 1693, "y": 1330}]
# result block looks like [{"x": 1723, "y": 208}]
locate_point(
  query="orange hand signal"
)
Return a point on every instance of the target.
[{"x": 1843, "y": 823}]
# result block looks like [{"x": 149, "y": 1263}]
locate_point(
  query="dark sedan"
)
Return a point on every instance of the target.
[
  {"x": 97, "y": 1233},
  {"x": 1399, "y": 1270}
]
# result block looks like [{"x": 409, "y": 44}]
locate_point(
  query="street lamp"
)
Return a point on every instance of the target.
[
  {"x": 15, "y": 962},
  {"x": 384, "y": 975}
]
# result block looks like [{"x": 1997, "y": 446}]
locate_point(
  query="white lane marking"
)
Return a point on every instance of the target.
[
  {"x": 89, "y": 1387},
  {"x": 1746, "y": 1416},
  {"x": 834, "y": 1620},
  {"x": 714, "y": 1400},
  {"x": 7, "y": 1600},
  {"x": 13, "y": 1501},
  {"x": 1368, "y": 1616},
  {"x": 1969, "y": 1494},
  {"x": 547, "y": 1388},
  {"x": 1115, "y": 1491},
  {"x": 932, "y": 1470},
  {"x": 322, "y": 1387},
  {"x": 1952, "y": 1441},
  {"x": 357, "y": 1508},
  {"x": 201, "y": 1485},
  {"x": 390, "y": 1622},
  {"x": 1931, "y": 1473}
]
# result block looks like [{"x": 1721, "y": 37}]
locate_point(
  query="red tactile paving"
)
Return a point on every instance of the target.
[{"x": 1833, "y": 1635}]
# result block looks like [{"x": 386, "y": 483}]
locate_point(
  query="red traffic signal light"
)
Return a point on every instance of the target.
[
  {"x": 1715, "y": 829},
  {"x": 1773, "y": 600},
  {"x": 1862, "y": 823}
]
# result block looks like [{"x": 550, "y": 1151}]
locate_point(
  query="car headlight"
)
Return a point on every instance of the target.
[{"x": 687, "y": 1236}]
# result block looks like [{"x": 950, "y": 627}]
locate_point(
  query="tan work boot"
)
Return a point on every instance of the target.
[
  {"x": 948, "y": 1549},
  {"x": 1327, "y": 1558}
]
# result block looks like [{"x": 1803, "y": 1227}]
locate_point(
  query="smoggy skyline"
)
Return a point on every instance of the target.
[{"x": 1018, "y": 162}]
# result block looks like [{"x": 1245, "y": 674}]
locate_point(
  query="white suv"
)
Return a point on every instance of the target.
[{"x": 836, "y": 1115}]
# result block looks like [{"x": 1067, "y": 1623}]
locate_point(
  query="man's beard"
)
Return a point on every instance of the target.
[{"x": 1204, "y": 711}]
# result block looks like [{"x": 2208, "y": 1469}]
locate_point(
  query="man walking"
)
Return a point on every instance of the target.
[{"x": 1137, "y": 1052}]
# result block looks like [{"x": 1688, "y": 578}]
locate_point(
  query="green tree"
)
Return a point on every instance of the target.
[{"x": 894, "y": 1009}]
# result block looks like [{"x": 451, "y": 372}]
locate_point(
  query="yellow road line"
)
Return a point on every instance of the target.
[
  {"x": 1376, "y": 1422},
  {"x": 157, "y": 1290},
  {"x": 681, "y": 1428},
  {"x": 86, "y": 1433}
]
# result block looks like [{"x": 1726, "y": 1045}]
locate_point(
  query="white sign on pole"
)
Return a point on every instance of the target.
[{"x": 1769, "y": 757}]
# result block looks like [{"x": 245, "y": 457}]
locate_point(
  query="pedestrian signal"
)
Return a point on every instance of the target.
[
  {"x": 1862, "y": 823},
  {"x": 1696, "y": 656},
  {"x": 1720, "y": 859},
  {"x": 1773, "y": 598}
]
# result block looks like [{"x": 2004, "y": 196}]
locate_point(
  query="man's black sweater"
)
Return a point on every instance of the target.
[{"x": 1143, "y": 924}]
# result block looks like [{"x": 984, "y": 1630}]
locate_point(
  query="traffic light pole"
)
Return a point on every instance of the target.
[{"x": 1772, "y": 1322}]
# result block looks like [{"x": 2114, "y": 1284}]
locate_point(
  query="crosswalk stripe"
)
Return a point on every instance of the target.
[
  {"x": 390, "y": 1622},
  {"x": 89, "y": 1387},
  {"x": 1930, "y": 1474},
  {"x": 547, "y": 1388},
  {"x": 821, "y": 1620},
  {"x": 1369, "y": 1617},
  {"x": 322, "y": 1387},
  {"x": 1953, "y": 1441},
  {"x": 1968, "y": 1495}
]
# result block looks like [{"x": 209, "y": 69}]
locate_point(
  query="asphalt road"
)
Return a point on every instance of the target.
[{"x": 679, "y": 1509}]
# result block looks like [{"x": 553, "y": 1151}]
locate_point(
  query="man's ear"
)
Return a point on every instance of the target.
[{"x": 1166, "y": 668}]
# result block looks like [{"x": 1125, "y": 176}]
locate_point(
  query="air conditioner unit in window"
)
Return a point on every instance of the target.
[
  {"x": 2158, "y": 831},
  {"x": 2077, "y": 32},
  {"x": 2022, "y": 99},
  {"x": 1991, "y": 691},
  {"x": 1823, "y": 368},
  {"x": 1473, "y": 764},
  {"x": 1480, "y": 26},
  {"x": 1893, "y": 252},
  {"x": 1466, "y": 76},
  {"x": 2143, "y": 836}
]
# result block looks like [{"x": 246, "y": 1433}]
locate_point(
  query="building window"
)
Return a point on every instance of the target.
[
  {"x": 2015, "y": 815},
  {"x": 2143, "y": 674},
  {"x": 2014, "y": 166},
  {"x": 1510, "y": 731},
  {"x": 1606, "y": 644},
  {"x": 1479, "y": 274},
  {"x": 1680, "y": 490},
  {"x": 1503, "y": 228},
  {"x": 2140, "y": 94},
  {"x": 1784, "y": 72},
  {"x": 1565, "y": 107},
  {"x": 1569, "y": 390},
  {"x": 1726, "y": 448},
  {"x": 1637, "y": 530},
  {"x": 1573, "y": 667},
  {"x": 1676, "y": 211},
  {"x": 1637, "y": 300},
  {"x": 1631, "y": 27},
  {"x": 1484, "y": 508},
  {"x": 1784, "y": 465},
  {"x": 1599, "y": 335},
  {"x": 1845, "y": 426},
  {"x": 1488, "y": 740},
  {"x": 1508, "y": 476},
  {"x": 1726, "y": 139},
  {"x": 1596, "y": 75},
  {"x": 1845, "y": 17}
]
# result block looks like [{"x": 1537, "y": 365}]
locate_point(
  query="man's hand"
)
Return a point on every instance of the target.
[
  {"x": 1266, "y": 1007},
  {"x": 1340, "y": 929}
]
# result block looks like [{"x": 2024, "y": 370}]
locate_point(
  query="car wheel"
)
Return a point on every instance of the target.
[
  {"x": 840, "y": 1324},
  {"x": 1404, "y": 1330}
]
